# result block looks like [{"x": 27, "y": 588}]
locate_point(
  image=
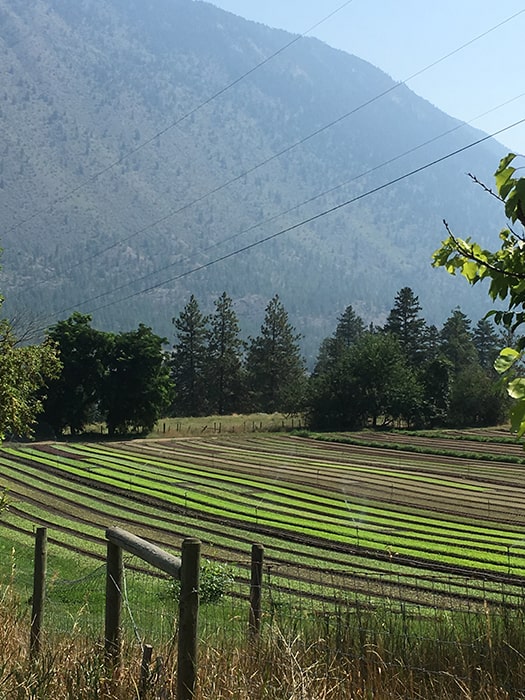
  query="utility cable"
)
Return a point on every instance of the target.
[
  {"x": 292, "y": 146},
  {"x": 301, "y": 204},
  {"x": 308, "y": 220},
  {"x": 170, "y": 126}
]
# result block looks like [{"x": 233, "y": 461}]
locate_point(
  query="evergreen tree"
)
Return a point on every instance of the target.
[
  {"x": 274, "y": 366},
  {"x": 406, "y": 325},
  {"x": 188, "y": 361},
  {"x": 487, "y": 343},
  {"x": 224, "y": 363},
  {"x": 457, "y": 341},
  {"x": 350, "y": 328}
]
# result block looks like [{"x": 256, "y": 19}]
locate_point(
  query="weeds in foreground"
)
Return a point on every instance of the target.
[{"x": 347, "y": 655}]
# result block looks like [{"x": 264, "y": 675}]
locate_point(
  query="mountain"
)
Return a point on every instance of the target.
[{"x": 119, "y": 140}]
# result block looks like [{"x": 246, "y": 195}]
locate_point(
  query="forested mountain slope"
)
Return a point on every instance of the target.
[{"x": 95, "y": 206}]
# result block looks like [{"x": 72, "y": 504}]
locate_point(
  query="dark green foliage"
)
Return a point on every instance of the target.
[
  {"x": 476, "y": 399},
  {"x": 189, "y": 361},
  {"x": 350, "y": 328},
  {"x": 224, "y": 359},
  {"x": 122, "y": 378},
  {"x": 275, "y": 370},
  {"x": 72, "y": 400},
  {"x": 457, "y": 341},
  {"x": 371, "y": 380},
  {"x": 487, "y": 343},
  {"x": 137, "y": 388},
  {"x": 406, "y": 325},
  {"x": 435, "y": 376},
  {"x": 406, "y": 373}
]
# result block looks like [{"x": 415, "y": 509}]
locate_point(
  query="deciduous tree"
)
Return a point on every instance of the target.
[
  {"x": 137, "y": 387},
  {"x": 504, "y": 269},
  {"x": 24, "y": 373},
  {"x": 73, "y": 397}
]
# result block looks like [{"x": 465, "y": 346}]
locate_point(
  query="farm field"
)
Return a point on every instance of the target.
[{"x": 372, "y": 523}]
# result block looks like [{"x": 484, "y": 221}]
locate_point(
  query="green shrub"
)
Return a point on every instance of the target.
[{"x": 215, "y": 580}]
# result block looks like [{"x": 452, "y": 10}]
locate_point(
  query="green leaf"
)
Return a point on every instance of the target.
[
  {"x": 517, "y": 418},
  {"x": 470, "y": 271},
  {"x": 516, "y": 388},
  {"x": 505, "y": 360}
]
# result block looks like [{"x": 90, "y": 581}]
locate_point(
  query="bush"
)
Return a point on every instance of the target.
[{"x": 215, "y": 580}]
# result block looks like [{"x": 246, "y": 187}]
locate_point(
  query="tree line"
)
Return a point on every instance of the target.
[
  {"x": 406, "y": 372},
  {"x": 128, "y": 380}
]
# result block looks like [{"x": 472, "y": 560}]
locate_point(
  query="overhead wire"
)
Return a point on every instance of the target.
[
  {"x": 283, "y": 151},
  {"x": 310, "y": 200},
  {"x": 178, "y": 121},
  {"x": 308, "y": 220}
]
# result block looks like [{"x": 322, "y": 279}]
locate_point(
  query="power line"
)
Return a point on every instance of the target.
[
  {"x": 285, "y": 150},
  {"x": 306, "y": 221},
  {"x": 301, "y": 204},
  {"x": 163, "y": 131}
]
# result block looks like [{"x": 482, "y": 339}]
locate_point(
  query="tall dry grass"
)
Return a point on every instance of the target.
[{"x": 304, "y": 666}]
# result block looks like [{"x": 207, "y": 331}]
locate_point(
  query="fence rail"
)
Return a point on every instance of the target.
[{"x": 185, "y": 569}]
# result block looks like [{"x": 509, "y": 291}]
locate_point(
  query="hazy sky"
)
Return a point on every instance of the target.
[{"x": 402, "y": 37}]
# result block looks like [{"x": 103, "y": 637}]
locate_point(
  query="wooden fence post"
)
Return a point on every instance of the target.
[
  {"x": 188, "y": 619},
  {"x": 256, "y": 590},
  {"x": 112, "y": 642},
  {"x": 147, "y": 651},
  {"x": 39, "y": 590}
]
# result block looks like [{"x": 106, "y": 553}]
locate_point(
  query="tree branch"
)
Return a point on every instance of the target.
[{"x": 470, "y": 256}]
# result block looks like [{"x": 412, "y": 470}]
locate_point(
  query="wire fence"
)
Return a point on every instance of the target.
[{"x": 438, "y": 625}]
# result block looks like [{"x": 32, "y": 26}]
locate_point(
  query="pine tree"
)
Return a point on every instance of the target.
[
  {"x": 457, "y": 341},
  {"x": 274, "y": 366},
  {"x": 188, "y": 361},
  {"x": 487, "y": 343},
  {"x": 406, "y": 325},
  {"x": 224, "y": 362},
  {"x": 350, "y": 328}
]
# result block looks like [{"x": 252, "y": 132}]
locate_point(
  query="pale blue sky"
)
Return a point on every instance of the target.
[{"x": 404, "y": 36}]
